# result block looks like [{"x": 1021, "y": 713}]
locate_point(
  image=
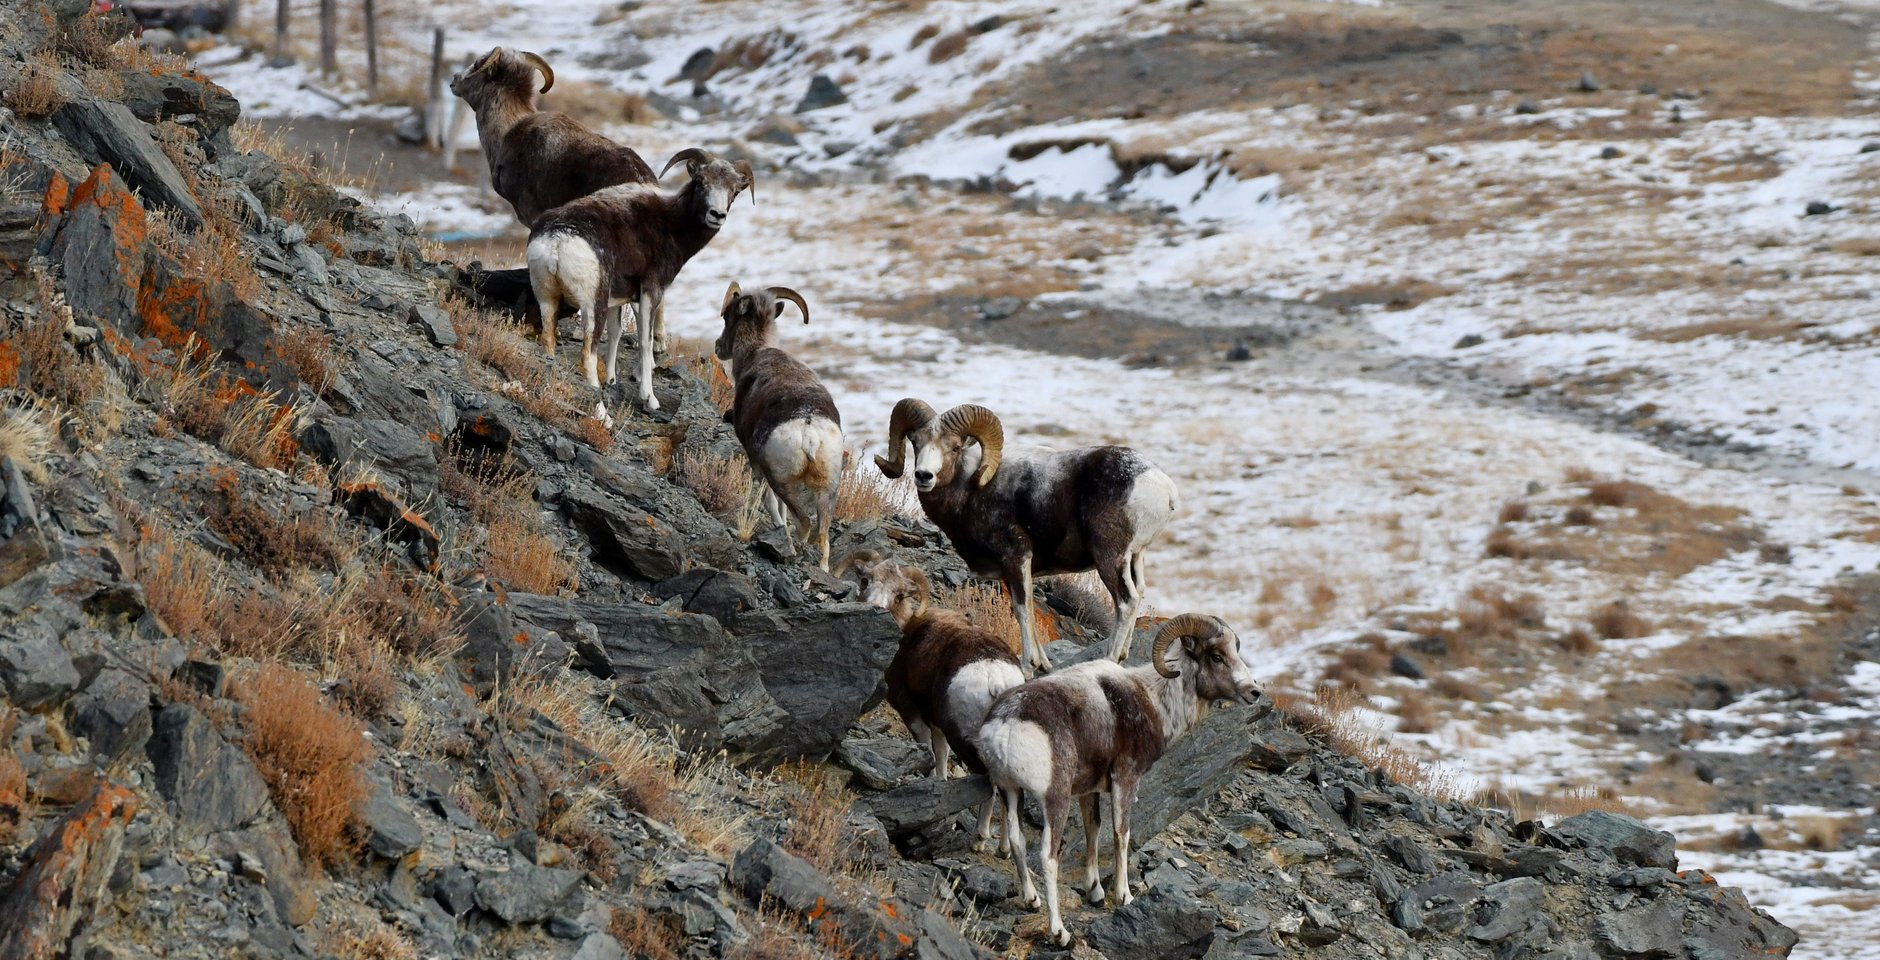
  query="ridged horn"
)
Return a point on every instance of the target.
[
  {"x": 743, "y": 167},
  {"x": 1197, "y": 625},
  {"x": 854, "y": 559},
  {"x": 731, "y": 293},
  {"x": 687, "y": 155},
  {"x": 909, "y": 415},
  {"x": 973, "y": 420},
  {"x": 922, "y": 586},
  {"x": 785, "y": 293},
  {"x": 548, "y": 72}
]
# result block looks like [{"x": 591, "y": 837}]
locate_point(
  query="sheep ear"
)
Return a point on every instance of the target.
[{"x": 776, "y": 310}]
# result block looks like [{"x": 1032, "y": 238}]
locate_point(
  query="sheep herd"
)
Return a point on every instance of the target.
[{"x": 603, "y": 233}]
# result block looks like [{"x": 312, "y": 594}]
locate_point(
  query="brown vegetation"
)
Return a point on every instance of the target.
[
  {"x": 35, "y": 92},
  {"x": 867, "y": 495},
  {"x": 721, "y": 484},
  {"x": 309, "y": 353},
  {"x": 269, "y": 538},
  {"x": 1616, "y": 621},
  {"x": 948, "y": 47},
  {"x": 310, "y": 755}
]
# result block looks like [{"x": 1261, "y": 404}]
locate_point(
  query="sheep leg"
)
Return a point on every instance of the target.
[
  {"x": 1127, "y": 597},
  {"x": 825, "y": 515},
  {"x": 923, "y": 733},
  {"x": 591, "y": 332},
  {"x": 942, "y": 753},
  {"x": 649, "y": 308},
  {"x": 1093, "y": 818},
  {"x": 1015, "y": 832},
  {"x": 618, "y": 324},
  {"x": 1034, "y": 656},
  {"x": 1056, "y": 813},
  {"x": 982, "y": 842},
  {"x": 1121, "y": 796},
  {"x": 548, "y": 304},
  {"x": 660, "y": 346}
]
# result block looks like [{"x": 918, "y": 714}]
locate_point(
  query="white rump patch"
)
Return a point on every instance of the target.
[
  {"x": 791, "y": 449},
  {"x": 1152, "y": 504},
  {"x": 1017, "y": 753},
  {"x": 564, "y": 268},
  {"x": 972, "y": 690}
]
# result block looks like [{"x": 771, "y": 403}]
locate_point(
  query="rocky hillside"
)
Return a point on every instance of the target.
[{"x": 333, "y": 627}]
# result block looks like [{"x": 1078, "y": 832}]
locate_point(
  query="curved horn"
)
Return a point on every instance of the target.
[
  {"x": 731, "y": 293},
  {"x": 854, "y": 558},
  {"x": 548, "y": 72},
  {"x": 1197, "y": 625},
  {"x": 785, "y": 293},
  {"x": 743, "y": 167},
  {"x": 922, "y": 587},
  {"x": 909, "y": 415},
  {"x": 687, "y": 155},
  {"x": 973, "y": 420}
]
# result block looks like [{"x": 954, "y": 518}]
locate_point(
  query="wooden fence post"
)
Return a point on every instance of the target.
[
  {"x": 434, "y": 92},
  {"x": 280, "y": 29}
]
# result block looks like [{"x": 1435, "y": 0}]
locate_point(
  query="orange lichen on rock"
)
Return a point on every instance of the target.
[{"x": 65, "y": 875}]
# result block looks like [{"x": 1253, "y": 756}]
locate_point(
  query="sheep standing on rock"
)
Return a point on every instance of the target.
[
  {"x": 1099, "y": 727},
  {"x": 538, "y": 159},
  {"x": 946, "y": 673},
  {"x": 1033, "y": 513},
  {"x": 635, "y": 238},
  {"x": 783, "y": 415}
]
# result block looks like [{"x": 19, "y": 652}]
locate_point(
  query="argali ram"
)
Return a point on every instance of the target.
[
  {"x": 946, "y": 673},
  {"x": 1033, "y": 513},
  {"x": 635, "y": 238},
  {"x": 1096, "y": 728},
  {"x": 783, "y": 415}
]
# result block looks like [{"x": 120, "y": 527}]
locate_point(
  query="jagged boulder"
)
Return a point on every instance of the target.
[
  {"x": 823, "y": 665},
  {"x": 63, "y": 878},
  {"x": 109, "y": 133}
]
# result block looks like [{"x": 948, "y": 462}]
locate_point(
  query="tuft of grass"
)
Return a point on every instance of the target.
[
  {"x": 309, "y": 353},
  {"x": 1579, "y": 641},
  {"x": 1414, "y": 714},
  {"x": 648, "y": 936},
  {"x": 272, "y": 541},
  {"x": 213, "y": 252},
  {"x": 865, "y": 494},
  {"x": 1577, "y": 800},
  {"x": 35, "y": 92},
  {"x": 924, "y": 34},
  {"x": 721, "y": 484},
  {"x": 949, "y": 46},
  {"x": 521, "y": 555},
  {"x": 310, "y": 755},
  {"x": 26, "y": 438},
  {"x": 1514, "y": 511},
  {"x": 1616, "y": 621},
  {"x": 987, "y": 606},
  {"x": 818, "y": 828},
  {"x": 636, "y": 766}
]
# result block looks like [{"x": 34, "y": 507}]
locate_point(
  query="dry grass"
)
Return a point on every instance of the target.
[
  {"x": 949, "y": 46},
  {"x": 1414, "y": 714},
  {"x": 380, "y": 942},
  {"x": 270, "y": 539},
  {"x": 1334, "y": 717},
  {"x": 1355, "y": 664},
  {"x": 1514, "y": 511},
  {"x": 924, "y": 34},
  {"x": 309, "y": 353},
  {"x": 35, "y": 92},
  {"x": 867, "y": 495},
  {"x": 818, "y": 828},
  {"x": 12, "y": 780},
  {"x": 525, "y": 375},
  {"x": 26, "y": 433},
  {"x": 1574, "y": 801},
  {"x": 213, "y": 252},
  {"x": 211, "y": 405},
  {"x": 35, "y": 354},
  {"x": 1616, "y": 621},
  {"x": 721, "y": 484},
  {"x": 520, "y": 554},
  {"x": 989, "y": 608},
  {"x": 636, "y": 766},
  {"x": 646, "y": 935},
  {"x": 310, "y": 755}
]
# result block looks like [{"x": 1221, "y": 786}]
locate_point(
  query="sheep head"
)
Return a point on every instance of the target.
[
  {"x": 716, "y": 182},
  {"x": 1209, "y": 648},
  {"x": 753, "y": 316},
  {"x": 944, "y": 444},
  {"x": 500, "y": 72},
  {"x": 901, "y": 590}
]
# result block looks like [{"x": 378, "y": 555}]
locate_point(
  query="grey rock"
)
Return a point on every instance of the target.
[
  {"x": 1588, "y": 83},
  {"x": 153, "y": 96},
  {"x": 1438, "y": 904},
  {"x": 707, "y": 875},
  {"x": 979, "y": 883},
  {"x": 104, "y": 132},
  {"x": 434, "y": 323},
  {"x": 1653, "y": 931},
  {"x": 1468, "y": 340},
  {"x": 904, "y": 810},
  {"x": 823, "y": 92},
  {"x": 212, "y": 784},
  {"x": 1163, "y": 923},
  {"x": 1404, "y": 666},
  {"x": 1641, "y": 877},
  {"x": 698, "y": 66},
  {"x": 882, "y": 762},
  {"x": 34, "y": 669},
  {"x": 390, "y": 830},
  {"x": 823, "y": 666},
  {"x": 525, "y": 893},
  {"x": 113, "y": 713},
  {"x": 25, "y": 544},
  {"x": 1620, "y": 837},
  {"x": 1506, "y": 908},
  {"x": 454, "y": 890},
  {"x": 599, "y": 946},
  {"x": 718, "y": 594},
  {"x": 676, "y": 669},
  {"x": 630, "y": 540},
  {"x": 388, "y": 447},
  {"x": 1818, "y": 208}
]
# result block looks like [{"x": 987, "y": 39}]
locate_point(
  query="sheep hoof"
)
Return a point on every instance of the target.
[
  {"x": 983, "y": 845},
  {"x": 1062, "y": 936},
  {"x": 1095, "y": 896},
  {"x": 1033, "y": 901},
  {"x": 1126, "y": 899},
  {"x": 649, "y": 403}
]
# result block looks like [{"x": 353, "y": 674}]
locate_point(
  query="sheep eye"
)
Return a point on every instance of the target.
[{"x": 1220, "y": 657}]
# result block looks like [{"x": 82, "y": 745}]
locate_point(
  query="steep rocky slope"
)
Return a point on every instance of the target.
[{"x": 333, "y": 627}]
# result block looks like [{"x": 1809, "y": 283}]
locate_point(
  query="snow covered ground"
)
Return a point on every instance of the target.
[{"x": 1324, "y": 495}]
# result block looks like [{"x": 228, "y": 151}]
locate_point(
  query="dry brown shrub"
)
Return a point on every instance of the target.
[
  {"x": 26, "y": 433},
  {"x": 380, "y": 943},
  {"x": 1414, "y": 714},
  {"x": 989, "y": 608},
  {"x": 1333, "y": 716},
  {"x": 37, "y": 356},
  {"x": 1502, "y": 542},
  {"x": 1578, "y": 516},
  {"x": 35, "y": 93},
  {"x": 924, "y": 34},
  {"x": 409, "y": 614},
  {"x": 646, "y": 935},
  {"x": 270, "y": 539},
  {"x": 310, "y": 755},
  {"x": 1610, "y": 493},
  {"x": 212, "y": 252},
  {"x": 595, "y": 434},
  {"x": 309, "y": 353},
  {"x": 1514, "y": 511},
  {"x": 637, "y": 767},
  {"x": 1355, "y": 665},
  {"x": 1616, "y": 621},
  {"x": 521, "y": 555},
  {"x": 867, "y": 495},
  {"x": 12, "y": 780},
  {"x": 1579, "y": 641},
  {"x": 1820, "y": 832},
  {"x": 949, "y": 46},
  {"x": 181, "y": 582},
  {"x": 1577, "y": 800},
  {"x": 722, "y": 485},
  {"x": 818, "y": 828}
]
